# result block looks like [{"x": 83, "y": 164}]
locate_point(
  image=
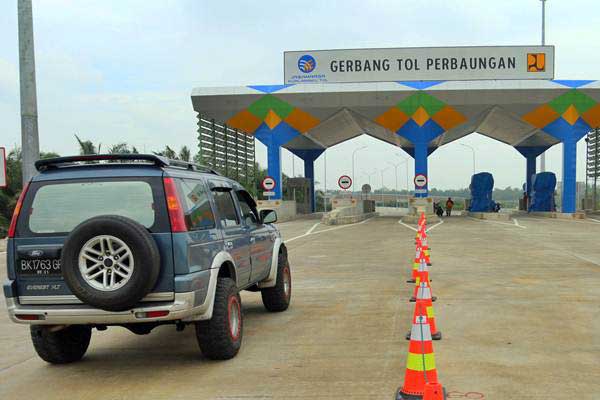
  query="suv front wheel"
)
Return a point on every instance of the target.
[
  {"x": 220, "y": 338},
  {"x": 62, "y": 346}
]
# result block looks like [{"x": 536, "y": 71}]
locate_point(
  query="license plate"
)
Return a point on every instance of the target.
[{"x": 39, "y": 266}]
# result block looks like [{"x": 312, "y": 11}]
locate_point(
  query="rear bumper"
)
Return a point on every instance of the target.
[{"x": 186, "y": 306}]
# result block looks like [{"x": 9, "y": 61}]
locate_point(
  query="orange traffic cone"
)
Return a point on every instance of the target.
[
  {"x": 424, "y": 243},
  {"x": 422, "y": 275},
  {"x": 420, "y": 363},
  {"x": 426, "y": 304},
  {"x": 423, "y": 292},
  {"x": 415, "y": 268},
  {"x": 434, "y": 391}
]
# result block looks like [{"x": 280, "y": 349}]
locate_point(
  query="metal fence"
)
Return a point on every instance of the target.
[{"x": 229, "y": 151}]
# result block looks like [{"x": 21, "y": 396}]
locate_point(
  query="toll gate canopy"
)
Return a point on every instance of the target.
[{"x": 417, "y": 116}]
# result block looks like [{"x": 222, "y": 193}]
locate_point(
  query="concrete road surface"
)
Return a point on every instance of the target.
[{"x": 519, "y": 309}]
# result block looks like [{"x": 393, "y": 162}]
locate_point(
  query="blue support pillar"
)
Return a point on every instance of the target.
[
  {"x": 531, "y": 169},
  {"x": 421, "y": 153},
  {"x": 274, "y": 168},
  {"x": 569, "y": 134},
  {"x": 530, "y": 153},
  {"x": 275, "y": 137},
  {"x": 309, "y": 173},
  {"x": 309, "y": 156},
  {"x": 569, "y": 189}
]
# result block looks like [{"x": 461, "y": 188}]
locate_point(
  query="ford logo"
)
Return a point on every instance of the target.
[{"x": 36, "y": 253}]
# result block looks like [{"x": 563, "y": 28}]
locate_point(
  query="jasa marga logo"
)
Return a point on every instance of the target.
[{"x": 307, "y": 64}]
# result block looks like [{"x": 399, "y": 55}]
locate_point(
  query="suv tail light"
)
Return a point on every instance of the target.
[
  {"x": 15, "y": 217},
  {"x": 174, "y": 206},
  {"x": 30, "y": 317}
]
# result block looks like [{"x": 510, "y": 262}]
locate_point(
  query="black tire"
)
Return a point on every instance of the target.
[
  {"x": 145, "y": 254},
  {"x": 277, "y": 298},
  {"x": 63, "y": 346},
  {"x": 218, "y": 338}
]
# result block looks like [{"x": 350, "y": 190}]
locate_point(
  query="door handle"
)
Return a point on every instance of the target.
[{"x": 252, "y": 239}]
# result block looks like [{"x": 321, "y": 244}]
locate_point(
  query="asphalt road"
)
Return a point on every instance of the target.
[{"x": 519, "y": 308}]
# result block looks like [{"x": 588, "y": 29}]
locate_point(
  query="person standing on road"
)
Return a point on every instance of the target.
[{"x": 449, "y": 205}]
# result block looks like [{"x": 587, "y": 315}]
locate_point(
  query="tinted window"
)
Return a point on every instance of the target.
[
  {"x": 196, "y": 204},
  {"x": 226, "y": 209},
  {"x": 60, "y": 207},
  {"x": 248, "y": 212}
]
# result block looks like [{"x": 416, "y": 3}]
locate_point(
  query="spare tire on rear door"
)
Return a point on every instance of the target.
[{"x": 110, "y": 262}]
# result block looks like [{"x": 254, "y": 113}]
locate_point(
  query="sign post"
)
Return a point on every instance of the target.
[
  {"x": 420, "y": 184},
  {"x": 345, "y": 182},
  {"x": 3, "y": 177},
  {"x": 268, "y": 184}
]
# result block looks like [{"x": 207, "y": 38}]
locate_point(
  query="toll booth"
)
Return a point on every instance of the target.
[
  {"x": 524, "y": 108},
  {"x": 299, "y": 190}
]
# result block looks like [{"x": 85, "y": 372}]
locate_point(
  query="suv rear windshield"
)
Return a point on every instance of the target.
[{"x": 58, "y": 207}]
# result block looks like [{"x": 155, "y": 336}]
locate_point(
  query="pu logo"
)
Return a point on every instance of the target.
[{"x": 536, "y": 62}]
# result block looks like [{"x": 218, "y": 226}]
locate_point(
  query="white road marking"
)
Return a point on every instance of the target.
[
  {"x": 595, "y": 220},
  {"x": 433, "y": 226},
  {"x": 577, "y": 221},
  {"x": 2, "y": 252},
  {"x": 586, "y": 259},
  {"x": 311, "y": 230},
  {"x": 408, "y": 226},
  {"x": 497, "y": 222},
  {"x": 517, "y": 224}
]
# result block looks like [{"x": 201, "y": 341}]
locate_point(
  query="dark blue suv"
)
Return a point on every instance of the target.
[{"x": 138, "y": 241}]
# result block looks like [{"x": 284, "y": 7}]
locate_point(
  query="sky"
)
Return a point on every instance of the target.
[{"x": 123, "y": 70}]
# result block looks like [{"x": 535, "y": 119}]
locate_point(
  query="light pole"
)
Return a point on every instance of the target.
[
  {"x": 405, "y": 160},
  {"x": 293, "y": 165},
  {"x": 325, "y": 179},
  {"x": 353, "y": 154},
  {"x": 396, "y": 171},
  {"x": 543, "y": 156},
  {"x": 472, "y": 151},
  {"x": 370, "y": 174},
  {"x": 30, "y": 142},
  {"x": 382, "y": 171}
]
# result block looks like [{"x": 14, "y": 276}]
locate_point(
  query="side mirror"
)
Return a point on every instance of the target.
[{"x": 268, "y": 216}]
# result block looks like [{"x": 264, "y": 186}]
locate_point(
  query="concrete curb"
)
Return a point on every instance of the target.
[
  {"x": 492, "y": 216},
  {"x": 351, "y": 219}
]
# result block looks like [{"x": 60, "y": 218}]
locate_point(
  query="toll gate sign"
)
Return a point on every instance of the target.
[{"x": 419, "y": 64}]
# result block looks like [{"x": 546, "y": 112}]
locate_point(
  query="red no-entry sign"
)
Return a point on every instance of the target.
[
  {"x": 268, "y": 183},
  {"x": 420, "y": 180},
  {"x": 345, "y": 182}
]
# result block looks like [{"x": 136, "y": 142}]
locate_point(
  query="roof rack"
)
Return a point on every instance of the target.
[
  {"x": 49, "y": 163},
  {"x": 190, "y": 166}
]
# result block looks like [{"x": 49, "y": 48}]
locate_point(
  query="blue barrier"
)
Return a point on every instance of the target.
[
  {"x": 542, "y": 196},
  {"x": 482, "y": 186}
]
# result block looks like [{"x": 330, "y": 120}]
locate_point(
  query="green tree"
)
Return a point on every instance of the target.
[
  {"x": 121, "y": 148},
  {"x": 87, "y": 147},
  {"x": 168, "y": 152},
  {"x": 10, "y": 194},
  {"x": 185, "y": 154}
]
